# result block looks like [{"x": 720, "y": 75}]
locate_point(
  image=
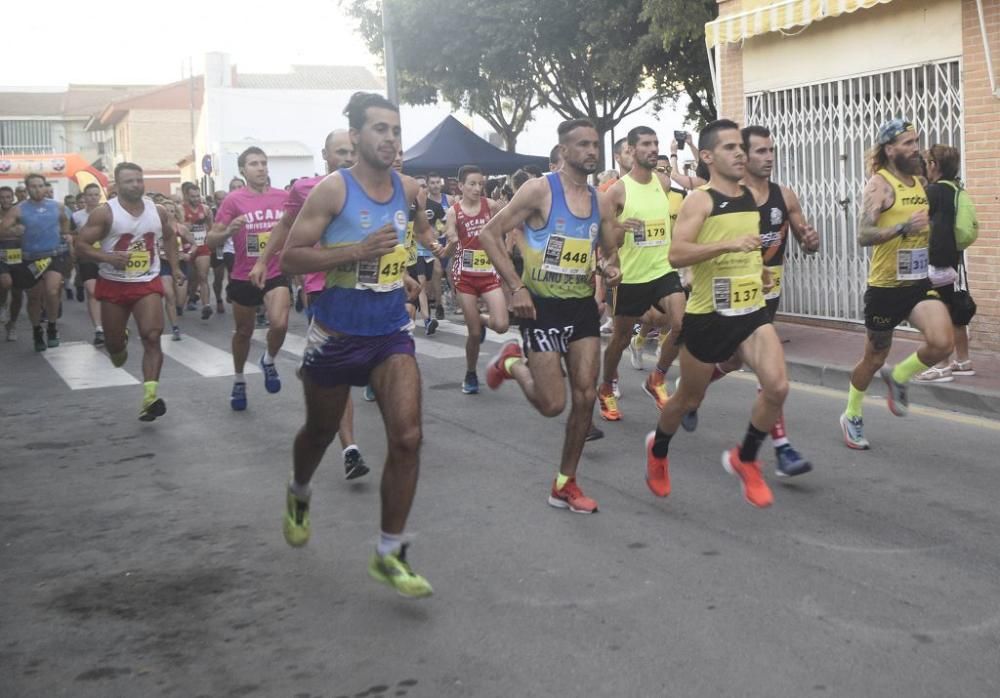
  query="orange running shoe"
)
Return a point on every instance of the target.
[
  {"x": 495, "y": 372},
  {"x": 657, "y": 470},
  {"x": 572, "y": 498},
  {"x": 755, "y": 489},
  {"x": 655, "y": 388},
  {"x": 609, "y": 404}
]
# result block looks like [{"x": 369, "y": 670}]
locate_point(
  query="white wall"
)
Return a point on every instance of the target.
[{"x": 877, "y": 39}]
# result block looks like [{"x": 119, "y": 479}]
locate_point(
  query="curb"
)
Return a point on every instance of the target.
[{"x": 954, "y": 397}]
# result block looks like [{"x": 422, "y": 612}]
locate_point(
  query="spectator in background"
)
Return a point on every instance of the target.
[
  {"x": 236, "y": 183},
  {"x": 606, "y": 179},
  {"x": 69, "y": 201}
]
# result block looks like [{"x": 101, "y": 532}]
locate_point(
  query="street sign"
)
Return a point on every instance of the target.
[{"x": 206, "y": 164}]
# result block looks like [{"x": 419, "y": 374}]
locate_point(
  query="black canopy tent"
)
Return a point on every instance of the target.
[{"x": 450, "y": 145}]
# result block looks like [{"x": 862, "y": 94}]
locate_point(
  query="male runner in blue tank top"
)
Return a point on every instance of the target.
[
  {"x": 45, "y": 258},
  {"x": 563, "y": 222},
  {"x": 359, "y": 333}
]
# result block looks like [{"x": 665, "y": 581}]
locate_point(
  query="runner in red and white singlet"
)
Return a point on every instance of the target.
[
  {"x": 198, "y": 218},
  {"x": 130, "y": 229},
  {"x": 472, "y": 273}
]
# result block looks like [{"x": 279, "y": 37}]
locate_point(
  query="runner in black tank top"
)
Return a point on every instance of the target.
[{"x": 779, "y": 212}]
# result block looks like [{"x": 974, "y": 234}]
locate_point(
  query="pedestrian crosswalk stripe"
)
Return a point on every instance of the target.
[
  {"x": 459, "y": 328},
  {"x": 294, "y": 344},
  {"x": 203, "y": 358},
  {"x": 82, "y": 366}
]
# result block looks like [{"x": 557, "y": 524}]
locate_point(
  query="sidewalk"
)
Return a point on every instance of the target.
[{"x": 824, "y": 356}]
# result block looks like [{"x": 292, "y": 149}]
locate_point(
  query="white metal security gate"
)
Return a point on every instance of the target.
[{"x": 821, "y": 132}]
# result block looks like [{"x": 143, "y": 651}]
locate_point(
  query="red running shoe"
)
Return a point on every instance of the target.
[
  {"x": 495, "y": 372},
  {"x": 572, "y": 498},
  {"x": 657, "y": 470},
  {"x": 755, "y": 490}
]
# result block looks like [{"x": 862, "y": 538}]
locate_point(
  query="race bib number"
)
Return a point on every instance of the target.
[
  {"x": 476, "y": 262},
  {"x": 651, "y": 234},
  {"x": 257, "y": 243},
  {"x": 565, "y": 255},
  {"x": 736, "y": 295},
  {"x": 138, "y": 263},
  {"x": 385, "y": 274},
  {"x": 199, "y": 237},
  {"x": 776, "y": 275},
  {"x": 12, "y": 256},
  {"x": 38, "y": 267},
  {"x": 911, "y": 265}
]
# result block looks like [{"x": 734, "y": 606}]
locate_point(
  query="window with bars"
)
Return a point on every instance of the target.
[
  {"x": 24, "y": 136},
  {"x": 821, "y": 132}
]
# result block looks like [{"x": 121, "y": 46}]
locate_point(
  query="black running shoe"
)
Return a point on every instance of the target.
[
  {"x": 354, "y": 465},
  {"x": 157, "y": 408},
  {"x": 439, "y": 312},
  {"x": 39, "y": 335}
]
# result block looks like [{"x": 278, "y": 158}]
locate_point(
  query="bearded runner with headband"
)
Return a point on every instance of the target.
[
  {"x": 247, "y": 216},
  {"x": 130, "y": 229},
  {"x": 353, "y": 227},
  {"x": 895, "y": 222}
]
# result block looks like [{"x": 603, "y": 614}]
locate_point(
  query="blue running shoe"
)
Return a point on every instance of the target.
[
  {"x": 369, "y": 393},
  {"x": 272, "y": 383},
  {"x": 790, "y": 462},
  {"x": 238, "y": 398},
  {"x": 470, "y": 386}
]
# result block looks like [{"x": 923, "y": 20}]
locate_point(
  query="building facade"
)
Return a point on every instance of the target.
[{"x": 823, "y": 75}]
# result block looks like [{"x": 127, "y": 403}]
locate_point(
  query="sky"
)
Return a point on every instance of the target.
[{"x": 115, "y": 42}]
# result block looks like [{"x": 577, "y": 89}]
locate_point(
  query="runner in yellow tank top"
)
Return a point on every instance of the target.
[
  {"x": 894, "y": 221},
  {"x": 718, "y": 236},
  {"x": 651, "y": 290}
]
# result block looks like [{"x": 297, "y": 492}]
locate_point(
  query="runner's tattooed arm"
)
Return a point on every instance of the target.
[
  {"x": 878, "y": 197},
  {"x": 804, "y": 232}
]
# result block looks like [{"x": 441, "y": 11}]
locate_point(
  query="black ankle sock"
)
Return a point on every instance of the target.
[
  {"x": 661, "y": 443},
  {"x": 52, "y": 326},
  {"x": 751, "y": 444}
]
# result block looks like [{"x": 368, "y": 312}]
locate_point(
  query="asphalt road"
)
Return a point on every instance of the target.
[{"x": 147, "y": 559}]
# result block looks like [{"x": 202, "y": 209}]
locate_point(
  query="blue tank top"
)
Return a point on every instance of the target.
[
  {"x": 366, "y": 298},
  {"x": 41, "y": 229},
  {"x": 559, "y": 257}
]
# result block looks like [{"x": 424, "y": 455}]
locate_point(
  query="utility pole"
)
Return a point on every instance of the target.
[{"x": 392, "y": 92}]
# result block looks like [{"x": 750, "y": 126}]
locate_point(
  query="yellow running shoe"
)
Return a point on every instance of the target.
[
  {"x": 655, "y": 387},
  {"x": 392, "y": 569},
  {"x": 296, "y": 522},
  {"x": 608, "y": 404}
]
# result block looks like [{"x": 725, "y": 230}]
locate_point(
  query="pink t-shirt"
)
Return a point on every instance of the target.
[
  {"x": 296, "y": 200},
  {"x": 263, "y": 211}
]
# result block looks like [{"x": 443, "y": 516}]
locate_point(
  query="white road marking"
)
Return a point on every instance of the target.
[
  {"x": 82, "y": 367},
  {"x": 203, "y": 358}
]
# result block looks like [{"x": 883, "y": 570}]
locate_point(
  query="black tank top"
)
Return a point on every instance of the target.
[{"x": 773, "y": 227}]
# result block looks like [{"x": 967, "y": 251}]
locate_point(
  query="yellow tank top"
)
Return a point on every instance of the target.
[
  {"x": 901, "y": 261},
  {"x": 643, "y": 254},
  {"x": 675, "y": 197},
  {"x": 729, "y": 284}
]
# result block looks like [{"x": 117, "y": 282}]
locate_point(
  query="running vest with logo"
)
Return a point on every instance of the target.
[
  {"x": 774, "y": 236},
  {"x": 643, "y": 254},
  {"x": 675, "y": 197},
  {"x": 140, "y": 236},
  {"x": 729, "y": 284},
  {"x": 559, "y": 256},
  {"x": 197, "y": 220},
  {"x": 41, "y": 229},
  {"x": 470, "y": 257},
  {"x": 901, "y": 261},
  {"x": 366, "y": 298}
]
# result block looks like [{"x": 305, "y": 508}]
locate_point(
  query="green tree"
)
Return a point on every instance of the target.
[
  {"x": 455, "y": 55},
  {"x": 681, "y": 24}
]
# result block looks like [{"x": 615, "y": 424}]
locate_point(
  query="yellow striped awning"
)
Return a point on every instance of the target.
[{"x": 778, "y": 16}]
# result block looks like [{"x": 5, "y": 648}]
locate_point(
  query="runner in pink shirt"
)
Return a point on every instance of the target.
[
  {"x": 247, "y": 217},
  {"x": 338, "y": 152}
]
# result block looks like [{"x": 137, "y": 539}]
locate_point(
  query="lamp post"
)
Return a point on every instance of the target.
[{"x": 392, "y": 92}]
